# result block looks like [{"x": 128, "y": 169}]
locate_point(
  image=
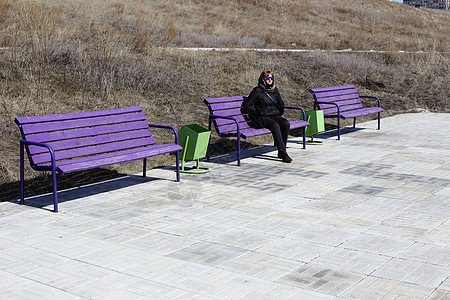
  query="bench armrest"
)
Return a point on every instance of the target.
[
  {"x": 27, "y": 142},
  {"x": 222, "y": 117},
  {"x": 24, "y": 143},
  {"x": 211, "y": 117},
  {"x": 166, "y": 127},
  {"x": 372, "y": 97},
  {"x": 295, "y": 107},
  {"x": 325, "y": 102}
]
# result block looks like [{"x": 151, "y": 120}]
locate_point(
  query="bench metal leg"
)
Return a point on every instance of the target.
[
  {"x": 354, "y": 122},
  {"x": 339, "y": 128},
  {"x": 144, "y": 167},
  {"x": 239, "y": 150},
  {"x": 55, "y": 191},
  {"x": 209, "y": 142},
  {"x": 22, "y": 175},
  {"x": 304, "y": 138},
  {"x": 379, "y": 115},
  {"x": 178, "y": 165}
]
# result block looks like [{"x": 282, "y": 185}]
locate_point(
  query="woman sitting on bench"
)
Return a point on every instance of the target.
[{"x": 265, "y": 108}]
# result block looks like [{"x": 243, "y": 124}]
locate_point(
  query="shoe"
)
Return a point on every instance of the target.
[
  {"x": 286, "y": 158},
  {"x": 280, "y": 155}
]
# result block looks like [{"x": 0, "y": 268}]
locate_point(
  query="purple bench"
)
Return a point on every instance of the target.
[
  {"x": 228, "y": 121},
  {"x": 78, "y": 141},
  {"x": 343, "y": 102}
]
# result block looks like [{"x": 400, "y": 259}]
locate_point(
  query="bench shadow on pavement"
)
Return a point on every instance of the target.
[
  {"x": 73, "y": 192},
  {"x": 45, "y": 200},
  {"x": 332, "y": 133},
  {"x": 73, "y": 189},
  {"x": 259, "y": 152},
  {"x": 73, "y": 186}
]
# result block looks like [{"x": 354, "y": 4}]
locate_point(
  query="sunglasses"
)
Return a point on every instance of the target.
[{"x": 269, "y": 78}]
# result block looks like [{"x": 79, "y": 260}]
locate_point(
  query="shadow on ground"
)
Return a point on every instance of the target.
[
  {"x": 222, "y": 150},
  {"x": 42, "y": 184},
  {"x": 255, "y": 151},
  {"x": 333, "y": 133},
  {"x": 86, "y": 190}
]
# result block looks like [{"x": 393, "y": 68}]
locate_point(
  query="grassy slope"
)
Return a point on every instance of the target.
[{"x": 90, "y": 55}]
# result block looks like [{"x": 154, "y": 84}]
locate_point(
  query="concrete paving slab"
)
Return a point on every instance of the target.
[{"x": 366, "y": 217}]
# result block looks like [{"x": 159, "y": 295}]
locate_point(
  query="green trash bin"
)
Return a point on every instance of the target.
[
  {"x": 316, "y": 124},
  {"x": 194, "y": 139}
]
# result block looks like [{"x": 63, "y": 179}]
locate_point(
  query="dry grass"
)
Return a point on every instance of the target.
[{"x": 87, "y": 55}]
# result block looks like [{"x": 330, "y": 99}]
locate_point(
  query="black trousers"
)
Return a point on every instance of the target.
[{"x": 279, "y": 127}]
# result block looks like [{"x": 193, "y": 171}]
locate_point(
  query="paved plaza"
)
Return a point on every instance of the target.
[{"x": 366, "y": 217}]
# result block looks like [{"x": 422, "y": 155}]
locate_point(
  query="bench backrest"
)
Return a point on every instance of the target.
[
  {"x": 83, "y": 134},
  {"x": 346, "y": 97},
  {"x": 227, "y": 107}
]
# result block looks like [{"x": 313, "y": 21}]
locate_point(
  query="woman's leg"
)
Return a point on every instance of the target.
[
  {"x": 277, "y": 133},
  {"x": 284, "y": 127}
]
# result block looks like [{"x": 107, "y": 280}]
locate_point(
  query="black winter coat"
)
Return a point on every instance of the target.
[{"x": 261, "y": 103}]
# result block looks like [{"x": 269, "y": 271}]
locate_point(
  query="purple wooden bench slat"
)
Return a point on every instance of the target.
[
  {"x": 298, "y": 124},
  {"x": 71, "y": 124},
  {"x": 92, "y": 150},
  {"x": 240, "y": 119},
  {"x": 225, "y": 99},
  {"x": 362, "y": 112},
  {"x": 342, "y": 93},
  {"x": 73, "y": 116},
  {"x": 342, "y": 108},
  {"x": 351, "y": 107},
  {"x": 66, "y": 164},
  {"x": 340, "y": 97},
  {"x": 343, "y": 102},
  {"x": 343, "y": 105},
  {"x": 92, "y": 140},
  {"x": 226, "y": 105},
  {"x": 232, "y": 128},
  {"x": 251, "y": 132},
  {"x": 228, "y": 112},
  {"x": 78, "y": 141},
  {"x": 225, "y": 114},
  {"x": 90, "y": 131},
  {"x": 118, "y": 158},
  {"x": 334, "y": 88}
]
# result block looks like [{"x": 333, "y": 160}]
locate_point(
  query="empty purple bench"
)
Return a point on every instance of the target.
[
  {"x": 78, "y": 141},
  {"x": 343, "y": 102},
  {"x": 228, "y": 121}
]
